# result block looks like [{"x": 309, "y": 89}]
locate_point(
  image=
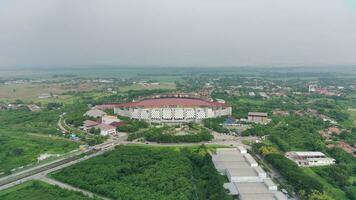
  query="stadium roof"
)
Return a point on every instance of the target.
[{"x": 164, "y": 102}]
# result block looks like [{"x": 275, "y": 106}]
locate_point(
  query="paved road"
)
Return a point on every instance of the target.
[{"x": 69, "y": 187}]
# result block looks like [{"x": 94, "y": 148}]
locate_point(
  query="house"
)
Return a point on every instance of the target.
[
  {"x": 108, "y": 119},
  {"x": 106, "y": 129},
  {"x": 34, "y": 107},
  {"x": 309, "y": 158},
  {"x": 280, "y": 112},
  {"x": 117, "y": 124},
  {"x": 257, "y": 117},
  {"x": 95, "y": 113},
  {"x": 334, "y": 130},
  {"x": 88, "y": 124}
]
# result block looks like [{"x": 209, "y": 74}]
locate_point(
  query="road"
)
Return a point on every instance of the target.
[
  {"x": 69, "y": 187},
  {"x": 42, "y": 170}
]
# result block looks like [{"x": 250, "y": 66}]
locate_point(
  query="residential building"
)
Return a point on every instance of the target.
[
  {"x": 257, "y": 117},
  {"x": 88, "y": 124},
  {"x": 106, "y": 129}
]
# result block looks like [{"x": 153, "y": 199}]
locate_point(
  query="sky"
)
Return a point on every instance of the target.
[{"x": 58, "y": 33}]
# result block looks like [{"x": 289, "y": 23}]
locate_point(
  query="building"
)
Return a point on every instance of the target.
[
  {"x": 108, "y": 119},
  {"x": 258, "y": 117},
  {"x": 88, "y": 124},
  {"x": 170, "y": 109},
  {"x": 95, "y": 113},
  {"x": 106, "y": 129},
  {"x": 309, "y": 158},
  {"x": 248, "y": 181}
]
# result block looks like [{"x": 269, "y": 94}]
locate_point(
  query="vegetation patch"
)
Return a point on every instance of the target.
[
  {"x": 168, "y": 134},
  {"x": 138, "y": 172},
  {"x": 35, "y": 190}
]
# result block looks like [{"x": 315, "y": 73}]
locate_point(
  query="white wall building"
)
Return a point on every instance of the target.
[
  {"x": 309, "y": 158},
  {"x": 171, "y": 110}
]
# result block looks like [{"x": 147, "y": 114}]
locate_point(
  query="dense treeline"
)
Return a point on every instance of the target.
[
  {"x": 131, "y": 125},
  {"x": 215, "y": 124},
  {"x": 158, "y": 135},
  {"x": 336, "y": 180},
  {"x": 293, "y": 174},
  {"x": 136, "y": 172},
  {"x": 292, "y": 133},
  {"x": 36, "y": 190}
]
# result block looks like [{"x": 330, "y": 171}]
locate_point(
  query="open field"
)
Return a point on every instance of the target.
[
  {"x": 24, "y": 135},
  {"x": 18, "y": 149},
  {"x": 37, "y": 190},
  {"x": 334, "y": 192},
  {"x": 31, "y": 91},
  {"x": 147, "y": 87}
]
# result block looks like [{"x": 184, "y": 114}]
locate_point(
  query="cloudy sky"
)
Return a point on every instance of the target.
[{"x": 177, "y": 32}]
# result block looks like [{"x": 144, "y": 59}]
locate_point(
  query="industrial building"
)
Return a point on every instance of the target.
[
  {"x": 248, "y": 181},
  {"x": 170, "y": 109},
  {"x": 309, "y": 158}
]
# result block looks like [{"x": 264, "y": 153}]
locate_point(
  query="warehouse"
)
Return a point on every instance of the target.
[
  {"x": 248, "y": 181},
  {"x": 170, "y": 109}
]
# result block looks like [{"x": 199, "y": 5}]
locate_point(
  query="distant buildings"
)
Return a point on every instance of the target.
[
  {"x": 44, "y": 96},
  {"x": 248, "y": 181},
  {"x": 257, "y": 117},
  {"x": 309, "y": 158}
]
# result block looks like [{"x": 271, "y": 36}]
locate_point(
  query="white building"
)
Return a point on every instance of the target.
[
  {"x": 309, "y": 158},
  {"x": 248, "y": 181},
  {"x": 106, "y": 129},
  {"x": 171, "y": 109}
]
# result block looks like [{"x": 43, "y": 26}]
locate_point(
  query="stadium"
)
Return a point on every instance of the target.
[{"x": 171, "y": 109}]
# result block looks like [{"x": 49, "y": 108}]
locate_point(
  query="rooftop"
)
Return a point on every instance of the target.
[
  {"x": 258, "y": 114},
  {"x": 163, "y": 102},
  {"x": 89, "y": 123},
  {"x": 307, "y": 153},
  {"x": 105, "y": 127}
]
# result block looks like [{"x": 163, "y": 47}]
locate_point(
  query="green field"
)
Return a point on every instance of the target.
[
  {"x": 333, "y": 191},
  {"x": 141, "y": 172},
  {"x": 37, "y": 190},
  {"x": 24, "y": 135}
]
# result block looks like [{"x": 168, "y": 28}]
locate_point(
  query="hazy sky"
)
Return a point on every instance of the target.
[{"x": 177, "y": 32}]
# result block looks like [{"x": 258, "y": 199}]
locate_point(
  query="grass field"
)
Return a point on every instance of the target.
[
  {"x": 334, "y": 192},
  {"x": 147, "y": 87},
  {"x": 37, "y": 190},
  {"x": 24, "y": 135},
  {"x": 18, "y": 149}
]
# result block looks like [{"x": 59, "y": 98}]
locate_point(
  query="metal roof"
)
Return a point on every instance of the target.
[{"x": 164, "y": 102}]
